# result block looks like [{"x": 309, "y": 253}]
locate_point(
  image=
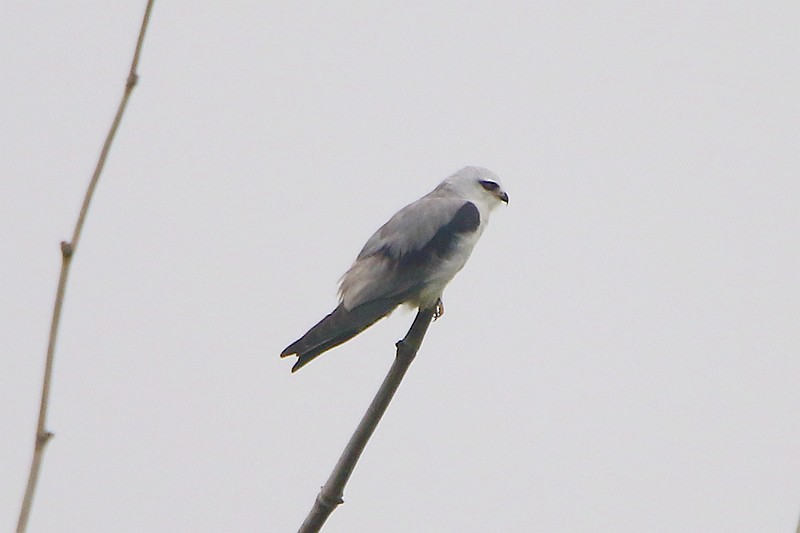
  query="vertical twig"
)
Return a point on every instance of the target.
[
  {"x": 331, "y": 494},
  {"x": 67, "y": 252}
]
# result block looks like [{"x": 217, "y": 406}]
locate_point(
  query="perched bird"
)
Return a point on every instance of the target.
[{"x": 409, "y": 260}]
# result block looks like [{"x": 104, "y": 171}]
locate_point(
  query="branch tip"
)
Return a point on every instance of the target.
[
  {"x": 67, "y": 251},
  {"x": 331, "y": 494}
]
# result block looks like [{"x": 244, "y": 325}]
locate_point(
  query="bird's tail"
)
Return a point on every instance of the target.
[{"x": 339, "y": 326}]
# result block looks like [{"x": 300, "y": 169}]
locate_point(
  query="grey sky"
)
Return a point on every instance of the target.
[{"x": 620, "y": 353}]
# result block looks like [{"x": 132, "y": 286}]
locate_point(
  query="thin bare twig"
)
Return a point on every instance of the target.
[
  {"x": 331, "y": 494},
  {"x": 67, "y": 252}
]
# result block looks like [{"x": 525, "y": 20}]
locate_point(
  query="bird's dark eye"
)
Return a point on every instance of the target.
[{"x": 489, "y": 185}]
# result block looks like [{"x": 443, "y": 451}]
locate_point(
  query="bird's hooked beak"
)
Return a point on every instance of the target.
[{"x": 503, "y": 196}]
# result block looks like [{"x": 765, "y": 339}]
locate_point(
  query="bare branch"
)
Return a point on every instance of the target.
[
  {"x": 332, "y": 492},
  {"x": 67, "y": 252}
]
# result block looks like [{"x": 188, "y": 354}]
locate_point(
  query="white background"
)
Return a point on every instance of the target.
[{"x": 620, "y": 354}]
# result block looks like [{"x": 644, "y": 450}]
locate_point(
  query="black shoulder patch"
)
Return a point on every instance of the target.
[
  {"x": 466, "y": 220},
  {"x": 414, "y": 265}
]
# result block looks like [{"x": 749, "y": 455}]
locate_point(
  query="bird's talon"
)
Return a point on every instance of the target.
[{"x": 438, "y": 311}]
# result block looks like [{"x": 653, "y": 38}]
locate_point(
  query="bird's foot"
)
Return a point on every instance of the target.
[{"x": 438, "y": 311}]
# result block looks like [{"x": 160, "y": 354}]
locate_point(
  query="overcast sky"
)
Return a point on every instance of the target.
[{"x": 620, "y": 353}]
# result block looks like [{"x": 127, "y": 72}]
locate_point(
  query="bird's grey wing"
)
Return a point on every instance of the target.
[{"x": 397, "y": 260}]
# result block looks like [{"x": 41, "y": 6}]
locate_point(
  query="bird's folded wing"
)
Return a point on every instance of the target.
[{"x": 400, "y": 256}]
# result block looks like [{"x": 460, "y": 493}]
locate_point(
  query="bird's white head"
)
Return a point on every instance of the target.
[{"x": 478, "y": 185}]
